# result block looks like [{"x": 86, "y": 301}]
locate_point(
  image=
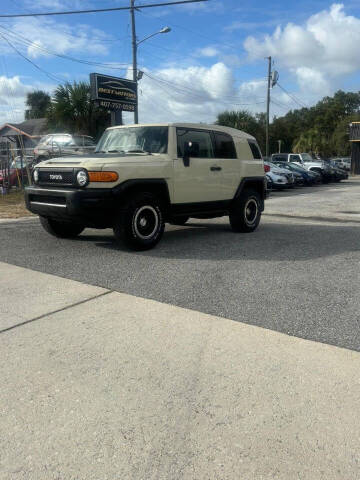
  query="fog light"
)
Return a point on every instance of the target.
[{"x": 82, "y": 178}]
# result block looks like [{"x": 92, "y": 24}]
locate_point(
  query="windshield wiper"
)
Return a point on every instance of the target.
[
  {"x": 115, "y": 151},
  {"x": 138, "y": 151},
  {"x": 100, "y": 151}
]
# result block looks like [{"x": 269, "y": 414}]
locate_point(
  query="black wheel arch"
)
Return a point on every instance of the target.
[
  {"x": 156, "y": 186},
  {"x": 255, "y": 183}
]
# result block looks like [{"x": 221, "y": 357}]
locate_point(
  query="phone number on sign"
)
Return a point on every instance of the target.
[{"x": 117, "y": 106}]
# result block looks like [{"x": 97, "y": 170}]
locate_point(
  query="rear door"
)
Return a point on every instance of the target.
[
  {"x": 226, "y": 158},
  {"x": 202, "y": 180}
]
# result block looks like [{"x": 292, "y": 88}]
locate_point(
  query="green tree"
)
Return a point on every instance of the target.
[
  {"x": 38, "y": 103},
  {"x": 72, "y": 111},
  {"x": 246, "y": 121}
]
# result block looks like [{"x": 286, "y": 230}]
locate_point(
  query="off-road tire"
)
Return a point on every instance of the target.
[
  {"x": 179, "y": 220},
  {"x": 245, "y": 213},
  {"x": 61, "y": 229},
  {"x": 140, "y": 223}
]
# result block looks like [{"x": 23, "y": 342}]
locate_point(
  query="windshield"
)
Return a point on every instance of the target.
[
  {"x": 306, "y": 157},
  {"x": 134, "y": 140}
]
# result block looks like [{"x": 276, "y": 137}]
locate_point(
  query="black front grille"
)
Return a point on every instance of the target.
[{"x": 56, "y": 177}]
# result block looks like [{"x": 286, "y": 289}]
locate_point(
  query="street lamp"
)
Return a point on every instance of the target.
[{"x": 135, "y": 45}]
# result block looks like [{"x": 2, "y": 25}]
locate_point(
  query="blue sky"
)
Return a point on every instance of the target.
[{"x": 212, "y": 60}]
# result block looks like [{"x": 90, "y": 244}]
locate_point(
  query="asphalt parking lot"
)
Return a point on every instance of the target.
[
  {"x": 220, "y": 359},
  {"x": 297, "y": 274}
]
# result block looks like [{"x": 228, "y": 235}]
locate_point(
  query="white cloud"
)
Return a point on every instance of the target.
[
  {"x": 314, "y": 80},
  {"x": 58, "y": 37},
  {"x": 207, "y": 6},
  {"x": 13, "y": 96},
  {"x": 186, "y": 94},
  {"x": 57, "y": 5},
  {"x": 323, "y": 49},
  {"x": 207, "y": 52}
]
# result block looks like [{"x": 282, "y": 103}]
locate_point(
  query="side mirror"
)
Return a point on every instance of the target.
[{"x": 191, "y": 149}]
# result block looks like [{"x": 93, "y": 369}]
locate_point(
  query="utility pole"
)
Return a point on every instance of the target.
[
  {"x": 135, "y": 43},
  {"x": 268, "y": 107},
  {"x": 279, "y": 142},
  {"x": 134, "y": 55}
]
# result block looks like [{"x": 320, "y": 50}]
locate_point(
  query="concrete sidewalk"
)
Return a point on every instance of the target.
[{"x": 102, "y": 385}]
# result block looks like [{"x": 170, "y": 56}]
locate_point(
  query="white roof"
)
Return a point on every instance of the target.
[{"x": 232, "y": 131}]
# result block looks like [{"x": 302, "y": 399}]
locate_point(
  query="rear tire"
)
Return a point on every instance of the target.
[
  {"x": 140, "y": 225},
  {"x": 61, "y": 229},
  {"x": 245, "y": 214}
]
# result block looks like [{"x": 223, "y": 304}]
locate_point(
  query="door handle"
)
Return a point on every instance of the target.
[{"x": 215, "y": 169}]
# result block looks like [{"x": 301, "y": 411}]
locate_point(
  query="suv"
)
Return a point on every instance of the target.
[
  {"x": 59, "y": 144},
  {"x": 306, "y": 161},
  {"x": 141, "y": 176}
]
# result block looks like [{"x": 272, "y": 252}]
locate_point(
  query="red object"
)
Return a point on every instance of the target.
[
  {"x": 13, "y": 178},
  {"x": 266, "y": 168}
]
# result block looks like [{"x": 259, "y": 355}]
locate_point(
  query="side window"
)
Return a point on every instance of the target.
[
  {"x": 224, "y": 146},
  {"x": 255, "y": 150},
  {"x": 200, "y": 140},
  {"x": 295, "y": 158}
]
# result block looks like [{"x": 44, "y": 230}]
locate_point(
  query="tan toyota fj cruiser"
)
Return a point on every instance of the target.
[{"x": 141, "y": 176}]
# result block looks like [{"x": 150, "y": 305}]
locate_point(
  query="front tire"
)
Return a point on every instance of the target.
[
  {"x": 61, "y": 229},
  {"x": 246, "y": 212},
  {"x": 140, "y": 225}
]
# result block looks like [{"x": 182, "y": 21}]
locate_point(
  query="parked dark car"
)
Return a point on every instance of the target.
[
  {"x": 340, "y": 173},
  {"x": 309, "y": 177},
  {"x": 61, "y": 144}
]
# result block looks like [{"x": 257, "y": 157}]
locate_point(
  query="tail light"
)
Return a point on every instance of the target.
[{"x": 266, "y": 168}]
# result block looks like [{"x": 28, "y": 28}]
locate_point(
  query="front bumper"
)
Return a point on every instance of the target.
[{"x": 92, "y": 207}]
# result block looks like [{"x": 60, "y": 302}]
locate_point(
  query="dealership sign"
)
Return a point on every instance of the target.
[{"x": 113, "y": 93}]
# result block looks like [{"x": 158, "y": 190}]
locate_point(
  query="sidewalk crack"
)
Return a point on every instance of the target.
[{"x": 55, "y": 311}]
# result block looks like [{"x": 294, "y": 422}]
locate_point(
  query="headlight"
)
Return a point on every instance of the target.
[
  {"x": 82, "y": 178},
  {"x": 36, "y": 175}
]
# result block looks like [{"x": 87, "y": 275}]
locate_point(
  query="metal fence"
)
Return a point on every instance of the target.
[{"x": 16, "y": 165}]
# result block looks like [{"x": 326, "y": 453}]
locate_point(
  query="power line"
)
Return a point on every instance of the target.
[
  {"x": 187, "y": 91},
  {"x": 293, "y": 98},
  {"x": 274, "y": 102},
  {"x": 49, "y": 75},
  {"x": 96, "y": 10},
  {"x": 26, "y": 41},
  {"x": 172, "y": 25}
]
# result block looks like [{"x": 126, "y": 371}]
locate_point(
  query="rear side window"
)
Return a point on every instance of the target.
[
  {"x": 224, "y": 146},
  {"x": 81, "y": 141},
  {"x": 255, "y": 150},
  {"x": 279, "y": 158},
  {"x": 200, "y": 140}
]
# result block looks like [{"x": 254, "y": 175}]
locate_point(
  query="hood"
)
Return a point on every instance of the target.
[{"x": 95, "y": 160}]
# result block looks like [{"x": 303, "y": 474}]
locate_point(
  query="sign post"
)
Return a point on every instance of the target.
[
  {"x": 355, "y": 147},
  {"x": 114, "y": 94}
]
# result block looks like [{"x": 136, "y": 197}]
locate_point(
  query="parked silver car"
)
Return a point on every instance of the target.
[
  {"x": 60, "y": 144},
  {"x": 281, "y": 172}
]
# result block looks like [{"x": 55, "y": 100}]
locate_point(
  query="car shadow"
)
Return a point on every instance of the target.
[{"x": 272, "y": 241}]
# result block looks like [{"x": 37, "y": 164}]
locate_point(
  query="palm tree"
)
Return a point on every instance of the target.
[
  {"x": 72, "y": 110},
  {"x": 39, "y": 103}
]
